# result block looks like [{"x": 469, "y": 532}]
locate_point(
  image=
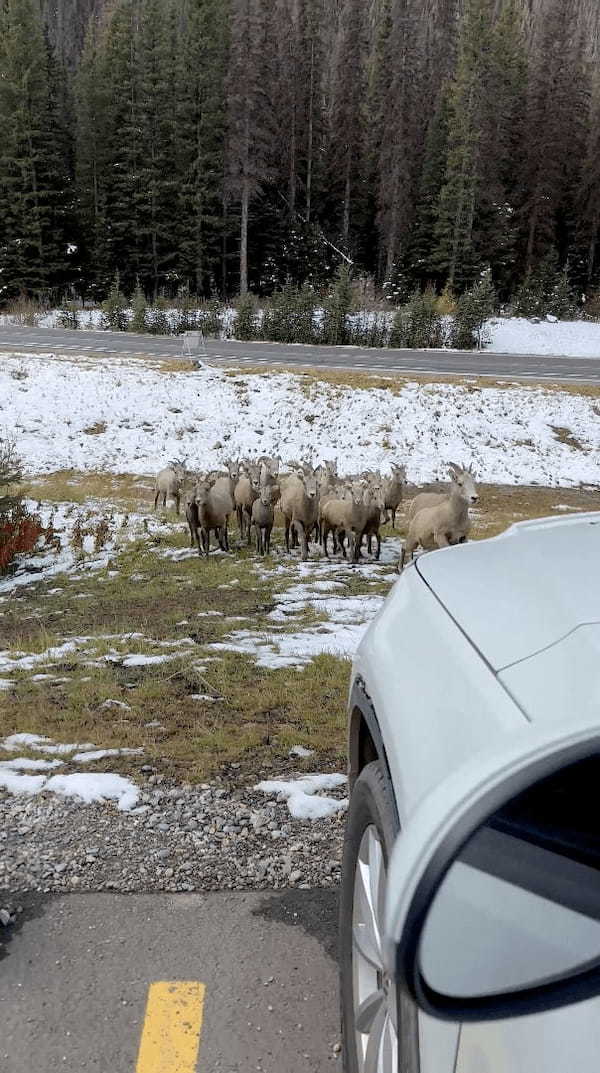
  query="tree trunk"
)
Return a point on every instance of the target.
[
  {"x": 309, "y": 148},
  {"x": 244, "y": 237},
  {"x": 347, "y": 192},
  {"x": 292, "y": 178}
]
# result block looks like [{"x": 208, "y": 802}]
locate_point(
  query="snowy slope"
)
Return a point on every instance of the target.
[
  {"x": 56, "y": 410},
  {"x": 560, "y": 339}
]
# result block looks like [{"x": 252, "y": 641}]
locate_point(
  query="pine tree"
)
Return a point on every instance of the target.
[
  {"x": 120, "y": 195},
  {"x": 503, "y": 111},
  {"x": 456, "y": 255},
  {"x": 347, "y": 139},
  {"x": 588, "y": 198},
  {"x": 249, "y": 134},
  {"x": 34, "y": 180},
  {"x": 200, "y": 131},
  {"x": 555, "y": 138},
  {"x": 423, "y": 243},
  {"x": 91, "y": 164},
  {"x": 158, "y": 180}
]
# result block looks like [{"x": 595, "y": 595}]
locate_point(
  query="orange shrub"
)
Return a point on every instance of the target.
[{"x": 19, "y": 534}]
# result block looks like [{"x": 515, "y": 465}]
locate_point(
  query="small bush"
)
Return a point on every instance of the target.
[
  {"x": 290, "y": 317},
  {"x": 369, "y": 329},
  {"x": 158, "y": 322},
  {"x": 67, "y": 317},
  {"x": 19, "y": 530},
  {"x": 547, "y": 291},
  {"x": 139, "y": 320},
  {"x": 334, "y": 329},
  {"x": 474, "y": 307},
  {"x": 246, "y": 322},
  {"x": 446, "y": 303},
  {"x": 25, "y": 311},
  {"x": 114, "y": 315},
  {"x": 211, "y": 317},
  {"x": 418, "y": 324}
]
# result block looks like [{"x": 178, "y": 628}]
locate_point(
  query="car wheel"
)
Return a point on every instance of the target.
[{"x": 379, "y": 1031}]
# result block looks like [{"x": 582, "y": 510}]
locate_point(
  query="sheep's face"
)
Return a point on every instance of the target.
[
  {"x": 399, "y": 472},
  {"x": 463, "y": 480},
  {"x": 310, "y": 484}
]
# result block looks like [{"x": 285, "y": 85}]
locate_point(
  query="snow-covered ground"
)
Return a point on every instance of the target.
[
  {"x": 126, "y": 416},
  {"x": 549, "y": 337}
]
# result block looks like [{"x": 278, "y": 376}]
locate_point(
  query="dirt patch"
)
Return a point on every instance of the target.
[{"x": 564, "y": 435}]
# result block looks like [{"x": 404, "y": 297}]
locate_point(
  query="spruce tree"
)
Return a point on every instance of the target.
[
  {"x": 249, "y": 131},
  {"x": 555, "y": 130},
  {"x": 34, "y": 180},
  {"x": 202, "y": 48},
  {"x": 456, "y": 255}
]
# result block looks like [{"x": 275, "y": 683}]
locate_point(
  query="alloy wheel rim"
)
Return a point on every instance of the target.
[{"x": 374, "y": 993}]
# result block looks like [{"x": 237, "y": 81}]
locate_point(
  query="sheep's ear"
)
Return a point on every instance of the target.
[{"x": 454, "y": 470}]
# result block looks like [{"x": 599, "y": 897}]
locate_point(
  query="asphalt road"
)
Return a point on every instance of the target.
[
  {"x": 76, "y": 974},
  {"x": 446, "y": 362}
]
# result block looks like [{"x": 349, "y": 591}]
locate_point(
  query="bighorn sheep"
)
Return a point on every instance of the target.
[
  {"x": 262, "y": 520},
  {"x": 447, "y": 521},
  {"x": 204, "y": 514},
  {"x": 300, "y": 507},
  {"x": 459, "y": 475},
  {"x": 392, "y": 490},
  {"x": 246, "y": 491},
  {"x": 222, "y": 495},
  {"x": 376, "y": 505},
  {"x": 344, "y": 517},
  {"x": 169, "y": 482}
]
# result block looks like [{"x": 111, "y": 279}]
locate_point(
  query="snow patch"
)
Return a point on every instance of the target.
[{"x": 302, "y": 795}]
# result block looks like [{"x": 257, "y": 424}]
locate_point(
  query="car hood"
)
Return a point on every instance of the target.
[{"x": 531, "y": 589}]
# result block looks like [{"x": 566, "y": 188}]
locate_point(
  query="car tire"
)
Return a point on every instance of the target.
[{"x": 389, "y": 1042}]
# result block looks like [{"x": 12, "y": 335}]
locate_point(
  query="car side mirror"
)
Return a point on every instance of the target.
[{"x": 493, "y": 908}]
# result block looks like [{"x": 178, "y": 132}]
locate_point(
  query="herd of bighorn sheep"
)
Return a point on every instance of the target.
[{"x": 315, "y": 504}]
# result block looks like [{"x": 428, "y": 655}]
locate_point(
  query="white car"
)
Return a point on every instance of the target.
[{"x": 470, "y": 905}]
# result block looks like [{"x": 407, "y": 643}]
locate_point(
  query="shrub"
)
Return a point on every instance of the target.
[
  {"x": 158, "y": 321},
  {"x": 19, "y": 530},
  {"x": 139, "y": 320},
  {"x": 290, "y": 317},
  {"x": 446, "y": 303},
  {"x": 25, "y": 311},
  {"x": 369, "y": 329},
  {"x": 114, "y": 316},
  {"x": 547, "y": 291},
  {"x": 67, "y": 317},
  {"x": 418, "y": 323},
  {"x": 474, "y": 307},
  {"x": 211, "y": 317},
  {"x": 334, "y": 329},
  {"x": 246, "y": 322}
]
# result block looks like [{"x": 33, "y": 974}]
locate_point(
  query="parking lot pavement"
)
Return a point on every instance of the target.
[{"x": 185, "y": 983}]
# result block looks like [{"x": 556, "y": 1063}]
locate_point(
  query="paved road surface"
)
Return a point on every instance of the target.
[
  {"x": 447, "y": 362},
  {"x": 75, "y": 978}
]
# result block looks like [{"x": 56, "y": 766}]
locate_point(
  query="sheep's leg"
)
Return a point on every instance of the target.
[
  {"x": 177, "y": 501},
  {"x": 248, "y": 521},
  {"x": 287, "y": 534},
  {"x": 156, "y": 499},
  {"x": 400, "y": 566},
  {"x": 378, "y": 541},
  {"x": 393, "y": 513},
  {"x": 325, "y": 539},
  {"x": 303, "y": 541},
  {"x": 441, "y": 539},
  {"x": 165, "y": 501},
  {"x": 268, "y": 540},
  {"x": 240, "y": 521},
  {"x": 205, "y": 534},
  {"x": 226, "y": 536},
  {"x": 370, "y": 543}
]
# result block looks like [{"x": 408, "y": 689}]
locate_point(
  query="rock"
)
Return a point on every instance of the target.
[{"x": 5, "y": 917}]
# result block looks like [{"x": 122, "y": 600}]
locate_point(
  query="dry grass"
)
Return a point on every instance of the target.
[{"x": 395, "y": 382}]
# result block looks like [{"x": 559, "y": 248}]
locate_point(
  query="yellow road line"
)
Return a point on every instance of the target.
[{"x": 172, "y": 1026}]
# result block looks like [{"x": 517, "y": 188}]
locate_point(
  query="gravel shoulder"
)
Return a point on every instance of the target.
[{"x": 190, "y": 839}]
